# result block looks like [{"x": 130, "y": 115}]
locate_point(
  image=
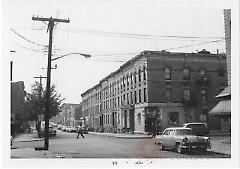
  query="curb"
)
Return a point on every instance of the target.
[
  {"x": 220, "y": 153},
  {"x": 124, "y": 137},
  {"x": 28, "y": 140}
]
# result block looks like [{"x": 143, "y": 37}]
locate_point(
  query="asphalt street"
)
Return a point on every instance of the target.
[{"x": 67, "y": 145}]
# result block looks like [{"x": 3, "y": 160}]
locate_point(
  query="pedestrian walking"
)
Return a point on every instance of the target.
[{"x": 80, "y": 132}]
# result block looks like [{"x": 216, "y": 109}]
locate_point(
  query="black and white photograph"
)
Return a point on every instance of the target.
[{"x": 119, "y": 83}]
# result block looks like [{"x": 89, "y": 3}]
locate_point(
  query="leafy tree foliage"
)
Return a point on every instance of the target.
[{"x": 35, "y": 102}]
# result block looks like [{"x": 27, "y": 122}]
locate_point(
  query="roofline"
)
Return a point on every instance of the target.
[{"x": 148, "y": 52}]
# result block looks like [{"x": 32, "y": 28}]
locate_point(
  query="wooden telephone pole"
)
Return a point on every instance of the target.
[{"x": 51, "y": 22}]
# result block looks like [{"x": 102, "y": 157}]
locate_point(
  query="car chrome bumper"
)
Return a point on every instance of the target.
[{"x": 196, "y": 146}]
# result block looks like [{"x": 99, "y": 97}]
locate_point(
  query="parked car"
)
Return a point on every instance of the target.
[
  {"x": 68, "y": 129},
  {"x": 64, "y": 128},
  {"x": 59, "y": 127},
  {"x": 52, "y": 132},
  {"x": 181, "y": 139},
  {"x": 199, "y": 129},
  {"x": 73, "y": 130},
  {"x": 85, "y": 130}
]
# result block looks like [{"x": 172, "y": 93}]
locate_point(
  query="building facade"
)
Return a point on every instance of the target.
[
  {"x": 67, "y": 115},
  {"x": 17, "y": 104},
  {"x": 78, "y": 115},
  {"x": 155, "y": 90},
  {"x": 223, "y": 109}
]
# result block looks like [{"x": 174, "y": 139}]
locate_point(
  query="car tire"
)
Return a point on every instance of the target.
[{"x": 179, "y": 149}]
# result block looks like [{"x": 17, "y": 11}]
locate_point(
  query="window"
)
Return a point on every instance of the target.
[
  {"x": 131, "y": 98},
  {"x": 204, "y": 94},
  {"x": 135, "y": 97},
  {"x": 221, "y": 72},
  {"x": 127, "y": 98},
  {"x": 186, "y": 94},
  {"x": 173, "y": 118},
  {"x": 135, "y": 77},
  {"x": 144, "y": 95},
  {"x": 118, "y": 117},
  {"x": 186, "y": 74},
  {"x": 167, "y": 73},
  {"x": 139, "y": 118},
  {"x": 131, "y": 78},
  {"x": 139, "y": 75},
  {"x": 118, "y": 105},
  {"x": 121, "y": 100},
  {"x": 140, "y": 94},
  {"x": 144, "y": 73},
  {"x": 127, "y": 80},
  {"x": 168, "y": 93}
]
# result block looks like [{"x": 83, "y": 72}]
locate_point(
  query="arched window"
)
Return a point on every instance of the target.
[
  {"x": 186, "y": 74},
  {"x": 139, "y": 75},
  {"x": 144, "y": 73},
  {"x": 221, "y": 72},
  {"x": 135, "y": 77},
  {"x": 167, "y": 73}
]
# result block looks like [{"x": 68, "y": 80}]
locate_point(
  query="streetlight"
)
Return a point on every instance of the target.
[
  {"x": 74, "y": 53},
  {"x": 11, "y": 65}
]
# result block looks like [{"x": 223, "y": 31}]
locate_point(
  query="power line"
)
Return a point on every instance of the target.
[
  {"x": 142, "y": 36},
  {"x": 193, "y": 45},
  {"x": 104, "y": 60},
  {"x": 27, "y": 39},
  {"x": 35, "y": 50}
]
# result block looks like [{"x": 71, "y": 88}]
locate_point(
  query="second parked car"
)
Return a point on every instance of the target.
[
  {"x": 199, "y": 129},
  {"x": 52, "y": 132}
]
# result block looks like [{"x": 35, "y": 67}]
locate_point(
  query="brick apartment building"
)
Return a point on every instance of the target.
[{"x": 157, "y": 89}]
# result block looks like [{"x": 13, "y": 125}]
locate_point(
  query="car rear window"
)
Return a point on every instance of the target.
[{"x": 195, "y": 125}]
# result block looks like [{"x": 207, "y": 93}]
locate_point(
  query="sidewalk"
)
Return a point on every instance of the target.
[
  {"x": 218, "y": 133},
  {"x": 221, "y": 144},
  {"x": 27, "y": 137},
  {"x": 123, "y": 135}
]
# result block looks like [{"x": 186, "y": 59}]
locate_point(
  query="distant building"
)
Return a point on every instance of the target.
[
  {"x": 157, "y": 88},
  {"x": 17, "y": 103},
  {"x": 79, "y": 120},
  {"x": 223, "y": 109},
  {"x": 67, "y": 115}
]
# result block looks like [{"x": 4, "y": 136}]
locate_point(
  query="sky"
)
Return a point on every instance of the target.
[{"x": 112, "y": 32}]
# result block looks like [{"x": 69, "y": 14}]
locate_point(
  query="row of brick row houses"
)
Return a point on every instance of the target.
[{"x": 156, "y": 88}]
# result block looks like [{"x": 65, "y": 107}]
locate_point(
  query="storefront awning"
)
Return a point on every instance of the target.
[
  {"x": 225, "y": 92},
  {"x": 222, "y": 108}
]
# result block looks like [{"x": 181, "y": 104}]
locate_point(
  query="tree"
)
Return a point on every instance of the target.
[{"x": 34, "y": 104}]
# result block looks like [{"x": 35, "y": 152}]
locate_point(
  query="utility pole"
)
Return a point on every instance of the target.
[
  {"x": 11, "y": 65},
  {"x": 51, "y": 22}
]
